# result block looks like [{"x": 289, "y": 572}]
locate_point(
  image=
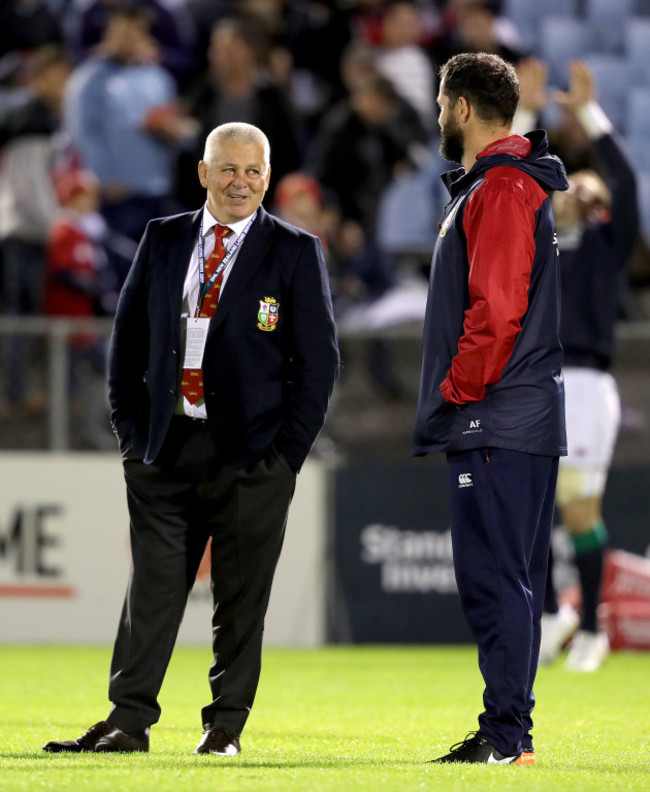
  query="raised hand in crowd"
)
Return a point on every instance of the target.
[{"x": 582, "y": 87}]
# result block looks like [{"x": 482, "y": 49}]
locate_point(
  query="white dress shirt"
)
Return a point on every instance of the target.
[{"x": 191, "y": 293}]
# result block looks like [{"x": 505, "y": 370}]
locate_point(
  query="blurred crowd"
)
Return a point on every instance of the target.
[{"x": 105, "y": 106}]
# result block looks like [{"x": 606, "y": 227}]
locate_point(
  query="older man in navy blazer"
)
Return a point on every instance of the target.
[{"x": 222, "y": 361}]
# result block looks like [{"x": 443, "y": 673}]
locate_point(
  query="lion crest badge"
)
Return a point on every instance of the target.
[{"x": 268, "y": 314}]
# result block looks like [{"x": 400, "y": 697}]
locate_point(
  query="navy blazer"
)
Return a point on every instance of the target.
[{"x": 263, "y": 388}]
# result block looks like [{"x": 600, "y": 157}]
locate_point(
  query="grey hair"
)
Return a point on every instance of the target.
[{"x": 238, "y": 132}]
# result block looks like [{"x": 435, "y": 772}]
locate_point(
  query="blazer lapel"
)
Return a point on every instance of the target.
[
  {"x": 178, "y": 257},
  {"x": 248, "y": 260}
]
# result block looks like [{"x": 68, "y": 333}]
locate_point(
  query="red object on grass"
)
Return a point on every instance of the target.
[{"x": 625, "y": 608}]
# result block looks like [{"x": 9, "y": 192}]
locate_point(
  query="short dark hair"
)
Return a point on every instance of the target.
[{"x": 488, "y": 83}]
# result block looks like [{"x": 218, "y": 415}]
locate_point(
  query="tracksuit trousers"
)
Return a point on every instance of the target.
[{"x": 501, "y": 505}]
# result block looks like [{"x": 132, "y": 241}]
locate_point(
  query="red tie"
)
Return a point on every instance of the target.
[{"x": 192, "y": 380}]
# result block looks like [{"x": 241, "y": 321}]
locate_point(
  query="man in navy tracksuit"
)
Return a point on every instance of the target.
[{"x": 491, "y": 394}]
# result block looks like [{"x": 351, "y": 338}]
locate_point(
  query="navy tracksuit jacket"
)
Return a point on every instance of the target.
[{"x": 490, "y": 341}]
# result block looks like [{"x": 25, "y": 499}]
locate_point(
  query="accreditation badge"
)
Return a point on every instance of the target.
[
  {"x": 268, "y": 314},
  {"x": 196, "y": 336}
]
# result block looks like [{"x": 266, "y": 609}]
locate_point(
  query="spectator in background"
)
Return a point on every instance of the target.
[
  {"x": 361, "y": 273},
  {"x": 567, "y": 137},
  {"x": 299, "y": 201},
  {"x": 204, "y": 15},
  {"x": 45, "y": 74},
  {"x": 171, "y": 27},
  {"x": 27, "y": 25},
  {"x": 237, "y": 88},
  {"x": 359, "y": 270},
  {"x": 570, "y": 140},
  {"x": 75, "y": 260},
  {"x": 308, "y": 38},
  {"x": 28, "y": 205},
  {"x": 363, "y": 141},
  {"x": 362, "y": 144},
  {"x": 403, "y": 61},
  {"x": 476, "y": 26},
  {"x": 358, "y": 61},
  {"x": 597, "y": 223},
  {"x": 122, "y": 116},
  {"x": 366, "y": 17}
]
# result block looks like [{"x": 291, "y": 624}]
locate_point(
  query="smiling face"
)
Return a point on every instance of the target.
[{"x": 236, "y": 176}]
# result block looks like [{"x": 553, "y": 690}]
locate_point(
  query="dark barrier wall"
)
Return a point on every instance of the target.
[
  {"x": 392, "y": 570},
  {"x": 626, "y": 509},
  {"x": 393, "y": 573}
]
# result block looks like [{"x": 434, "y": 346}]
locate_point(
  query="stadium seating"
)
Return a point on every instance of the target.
[
  {"x": 637, "y": 44},
  {"x": 637, "y": 115},
  {"x": 562, "y": 39},
  {"x": 409, "y": 212},
  {"x": 614, "y": 75},
  {"x": 608, "y": 19},
  {"x": 613, "y": 37},
  {"x": 527, "y": 16},
  {"x": 638, "y": 150}
]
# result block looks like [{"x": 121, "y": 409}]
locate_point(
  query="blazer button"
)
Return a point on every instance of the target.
[
  {"x": 174, "y": 352},
  {"x": 172, "y": 391}
]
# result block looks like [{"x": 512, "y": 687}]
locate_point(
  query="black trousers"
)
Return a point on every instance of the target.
[{"x": 175, "y": 507}]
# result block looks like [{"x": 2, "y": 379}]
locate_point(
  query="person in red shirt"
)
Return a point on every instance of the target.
[
  {"x": 75, "y": 258},
  {"x": 72, "y": 252}
]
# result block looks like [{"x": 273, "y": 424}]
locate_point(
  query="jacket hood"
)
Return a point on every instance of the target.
[{"x": 529, "y": 153}]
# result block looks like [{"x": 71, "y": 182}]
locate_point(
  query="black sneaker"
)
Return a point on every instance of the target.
[{"x": 475, "y": 749}]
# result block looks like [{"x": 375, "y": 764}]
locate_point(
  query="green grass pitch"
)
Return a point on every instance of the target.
[{"x": 326, "y": 720}]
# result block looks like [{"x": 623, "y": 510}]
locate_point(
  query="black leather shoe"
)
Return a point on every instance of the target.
[
  {"x": 86, "y": 742},
  {"x": 118, "y": 741},
  {"x": 220, "y": 741}
]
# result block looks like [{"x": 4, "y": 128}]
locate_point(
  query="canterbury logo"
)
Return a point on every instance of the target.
[{"x": 465, "y": 480}]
